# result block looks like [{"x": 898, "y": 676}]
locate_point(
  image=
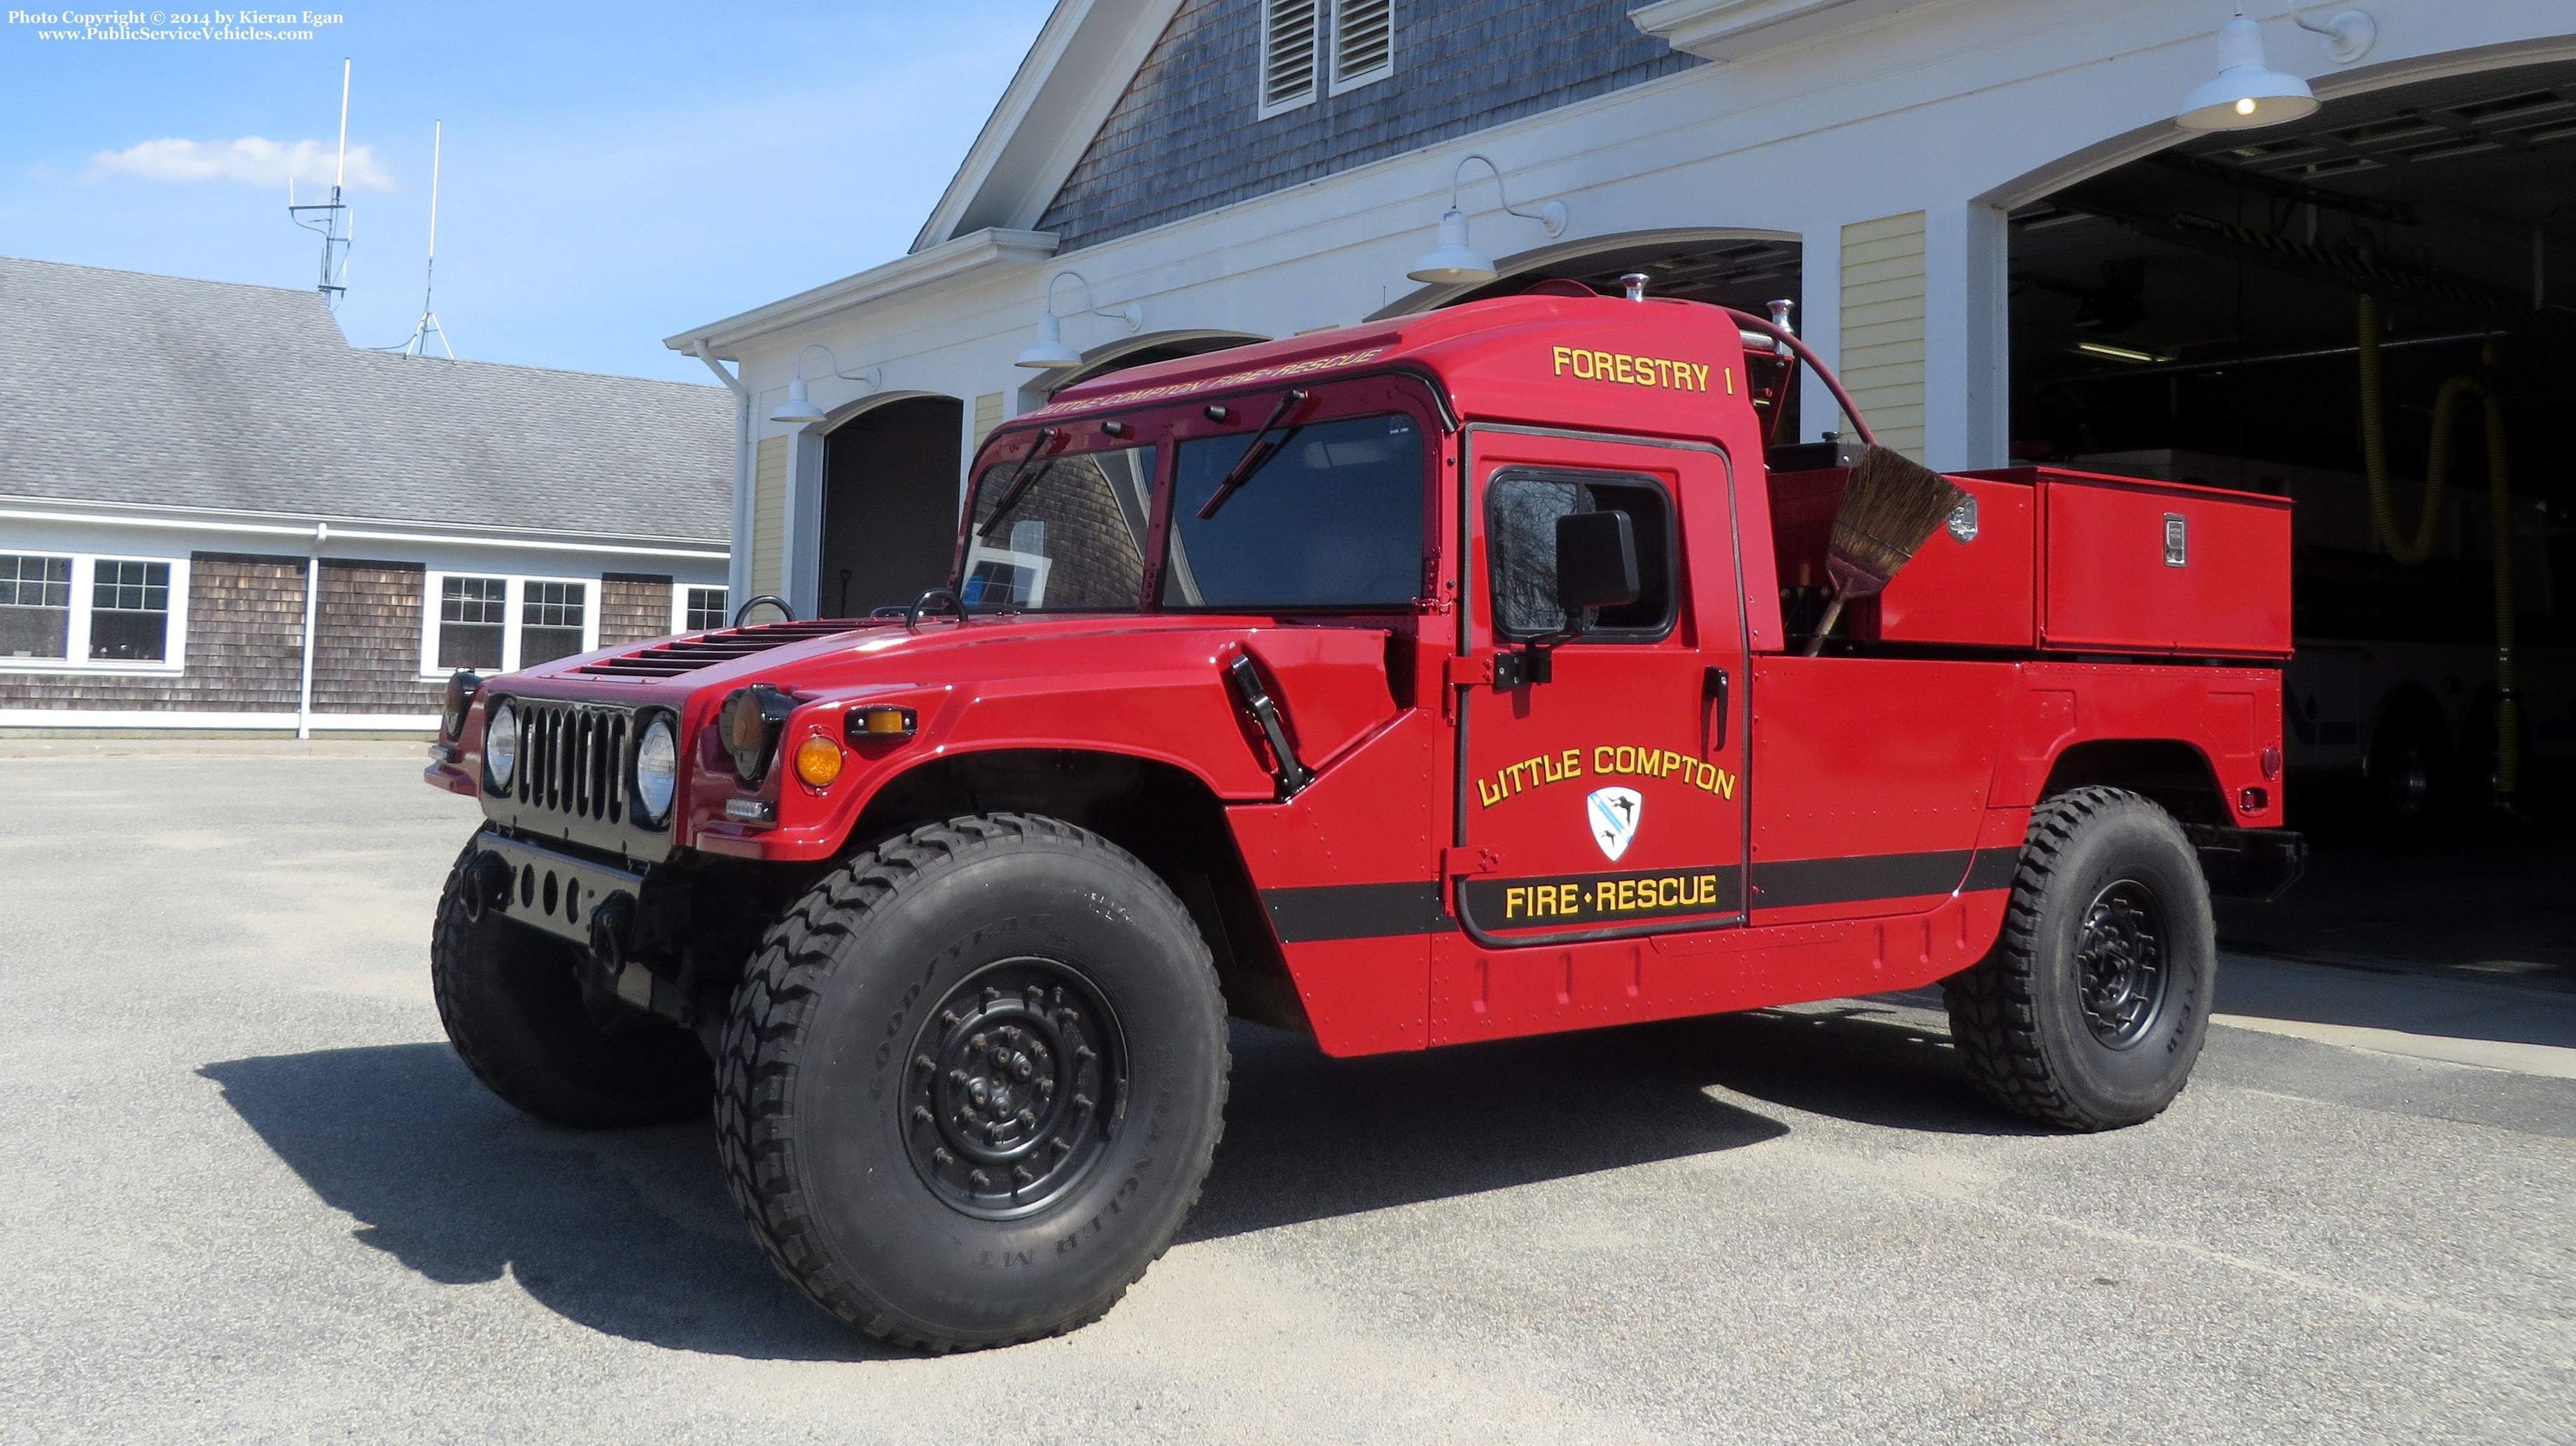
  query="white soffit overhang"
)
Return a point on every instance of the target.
[
  {"x": 1733, "y": 29},
  {"x": 971, "y": 252},
  {"x": 1065, "y": 88}
]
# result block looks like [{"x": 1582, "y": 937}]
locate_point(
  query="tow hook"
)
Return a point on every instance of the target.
[
  {"x": 612, "y": 930},
  {"x": 488, "y": 883}
]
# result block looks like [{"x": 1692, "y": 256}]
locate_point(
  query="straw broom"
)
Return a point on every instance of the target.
[{"x": 1889, "y": 506}]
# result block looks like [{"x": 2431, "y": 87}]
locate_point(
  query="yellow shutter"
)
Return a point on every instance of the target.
[
  {"x": 1882, "y": 327},
  {"x": 769, "y": 517}
]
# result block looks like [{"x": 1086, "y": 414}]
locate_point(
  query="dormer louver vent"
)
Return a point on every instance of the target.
[
  {"x": 1363, "y": 42},
  {"x": 1289, "y": 32}
]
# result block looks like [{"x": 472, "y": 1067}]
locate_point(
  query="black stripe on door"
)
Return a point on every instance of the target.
[{"x": 1371, "y": 911}]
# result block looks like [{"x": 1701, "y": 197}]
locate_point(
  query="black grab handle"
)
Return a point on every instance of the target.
[
  {"x": 779, "y": 603},
  {"x": 912, "y": 618}
]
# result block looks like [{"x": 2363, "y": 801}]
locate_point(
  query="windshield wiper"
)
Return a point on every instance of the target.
[
  {"x": 1256, "y": 456},
  {"x": 1022, "y": 479}
]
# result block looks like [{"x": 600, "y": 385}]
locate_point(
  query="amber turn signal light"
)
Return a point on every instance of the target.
[
  {"x": 818, "y": 761},
  {"x": 869, "y": 725}
]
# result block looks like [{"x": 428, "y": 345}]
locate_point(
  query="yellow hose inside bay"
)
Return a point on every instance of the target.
[{"x": 2410, "y": 549}]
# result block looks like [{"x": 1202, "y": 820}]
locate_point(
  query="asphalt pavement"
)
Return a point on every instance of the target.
[{"x": 248, "y": 1194}]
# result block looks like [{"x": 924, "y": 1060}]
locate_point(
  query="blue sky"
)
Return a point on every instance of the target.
[{"x": 612, "y": 174}]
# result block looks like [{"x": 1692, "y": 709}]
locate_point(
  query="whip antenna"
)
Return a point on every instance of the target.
[
  {"x": 331, "y": 220},
  {"x": 428, "y": 326}
]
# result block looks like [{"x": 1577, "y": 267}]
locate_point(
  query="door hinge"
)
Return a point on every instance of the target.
[
  {"x": 1469, "y": 859},
  {"x": 1464, "y": 672}
]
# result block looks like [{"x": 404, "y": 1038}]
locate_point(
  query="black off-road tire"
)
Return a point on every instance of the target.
[
  {"x": 518, "y": 1016},
  {"x": 1004, "y": 950},
  {"x": 2091, "y": 1008}
]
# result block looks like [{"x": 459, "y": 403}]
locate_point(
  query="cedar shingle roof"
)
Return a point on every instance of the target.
[{"x": 117, "y": 386}]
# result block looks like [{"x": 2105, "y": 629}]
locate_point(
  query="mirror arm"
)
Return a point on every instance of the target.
[{"x": 1534, "y": 661}]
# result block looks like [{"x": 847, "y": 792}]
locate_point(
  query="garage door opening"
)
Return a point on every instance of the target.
[
  {"x": 2284, "y": 311},
  {"x": 889, "y": 505}
]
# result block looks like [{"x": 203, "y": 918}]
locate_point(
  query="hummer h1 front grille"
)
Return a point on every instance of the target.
[{"x": 572, "y": 760}]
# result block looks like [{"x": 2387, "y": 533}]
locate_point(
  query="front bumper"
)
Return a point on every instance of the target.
[{"x": 570, "y": 897}]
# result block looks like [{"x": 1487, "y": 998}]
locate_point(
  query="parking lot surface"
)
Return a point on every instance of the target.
[{"x": 250, "y": 1195}]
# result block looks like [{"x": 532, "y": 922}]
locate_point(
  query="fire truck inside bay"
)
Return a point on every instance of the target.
[{"x": 1468, "y": 675}]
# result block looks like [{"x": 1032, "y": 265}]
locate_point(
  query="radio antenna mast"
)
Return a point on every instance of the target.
[
  {"x": 331, "y": 220},
  {"x": 428, "y": 326}
]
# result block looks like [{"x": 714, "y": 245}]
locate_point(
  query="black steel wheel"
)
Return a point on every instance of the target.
[
  {"x": 1016, "y": 1086},
  {"x": 2120, "y": 963},
  {"x": 2090, "y": 1010},
  {"x": 972, "y": 1080}
]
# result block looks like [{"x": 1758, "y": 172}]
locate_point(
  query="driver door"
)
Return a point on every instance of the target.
[{"x": 1608, "y": 801}]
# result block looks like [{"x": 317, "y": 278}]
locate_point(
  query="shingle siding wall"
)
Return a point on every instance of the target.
[
  {"x": 245, "y": 637},
  {"x": 1183, "y": 139},
  {"x": 366, "y": 646},
  {"x": 634, "y": 607}
]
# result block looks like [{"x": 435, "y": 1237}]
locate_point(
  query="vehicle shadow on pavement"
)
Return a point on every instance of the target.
[
  {"x": 629, "y": 1232},
  {"x": 1308, "y": 1137}
]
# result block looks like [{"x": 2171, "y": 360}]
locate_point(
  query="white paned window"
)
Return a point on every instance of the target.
[
  {"x": 1291, "y": 35},
  {"x": 552, "y": 621},
  {"x": 473, "y": 618},
  {"x": 502, "y": 624},
  {"x": 1363, "y": 43},
  {"x": 64, "y": 612},
  {"x": 701, "y": 609}
]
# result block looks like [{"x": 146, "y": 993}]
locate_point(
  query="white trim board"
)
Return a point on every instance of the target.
[
  {"x": 1067, "y": 84},
  {"x": 325, "y": 533},
  {"x": 971, "y": 252},
  {"x": 186, "y": 718}
]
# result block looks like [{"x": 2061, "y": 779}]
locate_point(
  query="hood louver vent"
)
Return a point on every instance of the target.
[{"x": 688, "y": 655}]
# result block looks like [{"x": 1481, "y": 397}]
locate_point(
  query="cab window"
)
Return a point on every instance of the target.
[
  {"x": 1333, "y": 519},
  {"x": 1521, "y": 509},
  {"x": 1072, "y": 541}
]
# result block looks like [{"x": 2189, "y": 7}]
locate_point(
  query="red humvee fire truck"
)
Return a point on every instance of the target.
[{"x": 1418, "y": 683}]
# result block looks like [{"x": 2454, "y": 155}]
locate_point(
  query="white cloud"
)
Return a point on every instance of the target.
[{"x": 252, "y": 159}]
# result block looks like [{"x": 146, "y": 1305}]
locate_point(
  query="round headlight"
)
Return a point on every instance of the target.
[
  {"x": 501, "y": 746},
  {"x": 657, "y": 772}
]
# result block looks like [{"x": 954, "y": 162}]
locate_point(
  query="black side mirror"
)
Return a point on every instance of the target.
[
  {"x": 1596, "y": 566},
  {"x": 1596, "y": 561}
]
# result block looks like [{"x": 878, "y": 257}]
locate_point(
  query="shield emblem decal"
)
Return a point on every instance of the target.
[{"x": 1613, "y": 813}]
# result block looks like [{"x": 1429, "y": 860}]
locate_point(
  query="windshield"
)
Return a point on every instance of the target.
[
  {"x": 1074, "y": 541},
  {"x": 1333, "y": 519}
]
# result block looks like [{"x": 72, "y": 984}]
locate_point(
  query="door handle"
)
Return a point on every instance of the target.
[{"x": 1712, "y": 699}]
